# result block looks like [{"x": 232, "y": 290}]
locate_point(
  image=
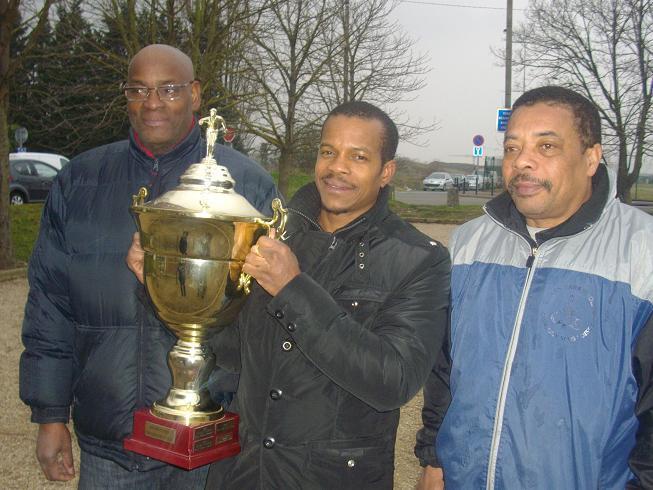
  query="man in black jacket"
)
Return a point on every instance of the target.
[
  {"x": 90, "y": 345},
  {"x": 342, "y": 328}
]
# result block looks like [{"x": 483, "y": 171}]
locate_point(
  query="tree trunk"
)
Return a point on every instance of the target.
[
  {"x": 285, "y": 169},
  {"x": 8, "y": 11}
]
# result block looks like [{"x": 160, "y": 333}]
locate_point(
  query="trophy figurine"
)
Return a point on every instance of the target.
[{"x": 195, "y": 238}]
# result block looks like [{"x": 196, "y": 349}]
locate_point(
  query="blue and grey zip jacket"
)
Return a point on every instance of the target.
[{"x": 551, "y": 350}]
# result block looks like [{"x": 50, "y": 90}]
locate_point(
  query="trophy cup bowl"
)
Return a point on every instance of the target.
[{"x": 195, "y": 239}]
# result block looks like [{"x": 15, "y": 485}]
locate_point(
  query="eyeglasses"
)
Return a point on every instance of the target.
[{"x": 168, "y": 92}]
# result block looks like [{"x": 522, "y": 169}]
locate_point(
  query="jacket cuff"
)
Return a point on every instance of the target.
[
  {"x": 50, "y": 415},
  {"x": 425, "y": 449}
]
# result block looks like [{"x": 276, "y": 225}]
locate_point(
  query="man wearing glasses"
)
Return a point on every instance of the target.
[{"x": 90, "y": 344}]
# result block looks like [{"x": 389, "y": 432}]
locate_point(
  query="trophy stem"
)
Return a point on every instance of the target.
[{"x": 188, "y": 401}]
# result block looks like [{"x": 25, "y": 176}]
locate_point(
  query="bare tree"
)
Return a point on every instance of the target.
[
  {"x": 212, "y": 32},
  {"x": 9, "y": 23},
  {"x": 602, "y": 49},
  {"x": 289, "y": 56},
  {"x": 377, "y": 61}
]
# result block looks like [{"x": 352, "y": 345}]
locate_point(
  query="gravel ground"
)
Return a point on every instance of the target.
[{"x": 19, "y": 469}]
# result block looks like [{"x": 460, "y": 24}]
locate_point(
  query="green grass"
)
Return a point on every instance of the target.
[
  {"x": 642, "y": 192},
  {"x": 24, "y": 228},
  {"x": 297, "y": 180},
  {"x": 437, "y": 214}
]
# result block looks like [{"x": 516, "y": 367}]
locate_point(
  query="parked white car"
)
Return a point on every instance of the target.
[
  {"x": 437, "y": 180},
  {"x": 475, "y": 181},
  {"x": 52, "y": 159}
]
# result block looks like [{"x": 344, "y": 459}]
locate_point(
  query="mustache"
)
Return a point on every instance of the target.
[
  {"x": 336, "y": 179},
  {"x": 546, "y": 184}
]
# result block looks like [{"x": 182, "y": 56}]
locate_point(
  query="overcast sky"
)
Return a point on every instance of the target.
[{"x": 466, "y": 84}]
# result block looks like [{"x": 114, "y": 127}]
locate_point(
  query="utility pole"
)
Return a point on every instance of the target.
[
  {"x": 347, "y": 81},
  {"x": 508, "y": 100}
]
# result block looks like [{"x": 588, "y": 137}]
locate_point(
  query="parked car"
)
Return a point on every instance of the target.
[
  {"x": 437, "y": 180},
  {"x": 474, "y": 181},
  {"x": 29, "y": 180},
  {"x": 458, "y": 180},
  {"x": 52, "y": 159}
]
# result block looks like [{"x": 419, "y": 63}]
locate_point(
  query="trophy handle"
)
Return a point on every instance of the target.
[{"x": 278, "y": 223}]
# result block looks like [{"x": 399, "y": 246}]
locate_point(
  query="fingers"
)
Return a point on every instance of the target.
[
  {"x": 54, "y": 452},
  {"x": 136, "y": 257},
  {"x": 266, "y": 246}
]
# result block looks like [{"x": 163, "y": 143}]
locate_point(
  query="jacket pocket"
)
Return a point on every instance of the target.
[
  {"x": 351, "y": 464},
  {"x": 361, "y": 303}
]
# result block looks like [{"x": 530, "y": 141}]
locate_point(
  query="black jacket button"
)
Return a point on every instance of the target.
[
  {"x": 278, "y": 314},
  {"x": 268, "y": 442},
  {"x": 276, "y": 394},
  {"x": 291, "y": 327},
  {"x": 287, "y": 345}
]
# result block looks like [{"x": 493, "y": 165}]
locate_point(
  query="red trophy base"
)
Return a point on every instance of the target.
[{"x": 181, "y": 445}]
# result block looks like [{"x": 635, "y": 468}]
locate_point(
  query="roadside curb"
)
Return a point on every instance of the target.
[
  {"x": 9, "y": 274},
  {"x": 434, "y": 221}
]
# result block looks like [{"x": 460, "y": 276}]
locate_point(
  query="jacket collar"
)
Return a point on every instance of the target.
[
  {"x": 187, "y": 145},
  {"x": 307, "y": 204},
  {"x": 503, "y": 209}
]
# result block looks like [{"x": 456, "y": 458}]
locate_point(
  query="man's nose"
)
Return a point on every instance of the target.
[
  {"x": 153, "y": 100},
  {"x": 340, "y": 164},
  {"x": 525, "y": 158}
]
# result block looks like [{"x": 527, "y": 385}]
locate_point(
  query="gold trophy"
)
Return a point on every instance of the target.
[{"x": 195, "y": 238}]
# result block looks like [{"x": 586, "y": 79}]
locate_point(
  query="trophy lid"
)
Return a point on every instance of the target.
[{"x": 206, "y": 189}]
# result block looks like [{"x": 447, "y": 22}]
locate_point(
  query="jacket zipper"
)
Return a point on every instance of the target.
[
  {"x": 334, "y": 241},
  {"x": 507, "y": 369}
]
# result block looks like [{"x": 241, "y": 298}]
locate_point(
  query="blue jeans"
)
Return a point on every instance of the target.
[{"x": 99, "y": 473}]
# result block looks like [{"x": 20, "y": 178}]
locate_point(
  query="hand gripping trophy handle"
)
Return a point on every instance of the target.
[{"x": 279, "y": 218}]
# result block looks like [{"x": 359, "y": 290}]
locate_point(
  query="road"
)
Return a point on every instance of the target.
[{"x": 439, "y": 198}]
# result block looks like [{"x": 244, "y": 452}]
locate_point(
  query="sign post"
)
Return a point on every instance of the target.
[
  {"x": 477, "y": 152},
  {"x": 502, "y": 119}
]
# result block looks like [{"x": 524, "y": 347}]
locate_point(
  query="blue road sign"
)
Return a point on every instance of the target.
[
  {"x": 478, "y": 140},
  {"x": 502, "y": 119},
  {"x": 478, "y": 151}
]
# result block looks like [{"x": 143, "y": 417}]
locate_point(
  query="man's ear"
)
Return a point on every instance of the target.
[
  {"x": 388, "y": 172},
  {"x": 196, "y": 95},
  {"x": 593, "y": 158}
]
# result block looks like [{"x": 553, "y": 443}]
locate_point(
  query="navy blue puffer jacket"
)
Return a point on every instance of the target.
[{"x": 90, "y": 344}]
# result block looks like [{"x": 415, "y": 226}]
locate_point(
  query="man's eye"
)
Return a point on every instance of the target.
[
  {"x": 547, "y": 146},
  {"x": 141, "y": 91},
  {"x": 169, "y": 90},
  {"x": 360, "y": 157},
  {"x": 326, "y": 153},
  {"x": 509, "y": 149}
]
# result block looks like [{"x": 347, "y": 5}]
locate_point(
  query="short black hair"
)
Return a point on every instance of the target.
[
  {"x": 365, "y": 110},
  {"x": 588, "y": 120}
]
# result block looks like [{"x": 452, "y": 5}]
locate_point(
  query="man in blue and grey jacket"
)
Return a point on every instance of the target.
[
  {"x": 550, "y": 358},
  {"x": 90, "y": 344}
]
